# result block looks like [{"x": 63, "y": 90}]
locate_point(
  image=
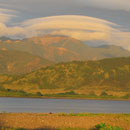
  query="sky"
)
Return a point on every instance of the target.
[{"x": 87, "y": 20}]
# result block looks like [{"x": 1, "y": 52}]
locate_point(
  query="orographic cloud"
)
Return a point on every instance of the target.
[{"x": 80, "y": 27}]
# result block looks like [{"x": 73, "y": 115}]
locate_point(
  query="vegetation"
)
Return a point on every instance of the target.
[
  {"x": 83, "y": 96},
  {"x": 21, "y": 93},
  {"x": 74, "y": 79},
  {"x": 98, "y": 127},
  {"x": 3, "y": 128},
  {"x": 109, "y": 72},
  {"x": 63, "y": 121},
  {"x": 15, "y": 93},
  {"x": 103, "y": 79},
  {"x": 103, "y": 126}
]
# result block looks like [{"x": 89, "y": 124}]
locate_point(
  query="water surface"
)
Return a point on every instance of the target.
[{"x": 63, "y": 105}]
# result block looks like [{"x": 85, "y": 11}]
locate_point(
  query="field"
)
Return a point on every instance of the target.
[{"x": 60, "y": 121}]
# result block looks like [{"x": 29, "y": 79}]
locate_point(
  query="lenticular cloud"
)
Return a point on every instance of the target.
[{"x": 80, "y": 27}]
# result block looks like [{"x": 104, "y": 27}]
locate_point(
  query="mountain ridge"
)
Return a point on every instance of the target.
[{"x": 63, "y": 49}]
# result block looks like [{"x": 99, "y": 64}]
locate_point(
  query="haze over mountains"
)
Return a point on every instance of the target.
[{"x": 62, "y": 48}]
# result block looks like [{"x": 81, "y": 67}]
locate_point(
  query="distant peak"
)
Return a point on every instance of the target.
[
  {"x": 104, "y": 46},
  {"x": 49, "y": 35},
  {"x": 52, "y": 38},
  {"x": 3, "y": 38}
]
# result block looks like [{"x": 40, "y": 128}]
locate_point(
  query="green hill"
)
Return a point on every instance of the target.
[
  {"x": 108, "y": 75},
  {"x": 15, "y": 62}
]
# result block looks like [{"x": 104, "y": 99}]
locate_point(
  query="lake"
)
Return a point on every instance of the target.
[{"x": 36, "y": 105}]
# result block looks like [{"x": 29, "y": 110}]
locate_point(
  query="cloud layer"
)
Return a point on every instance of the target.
[
  {"x": 5, "y": 15},
  {"x": 109, "y": 4},
  {"x": 80, "y": 27}
]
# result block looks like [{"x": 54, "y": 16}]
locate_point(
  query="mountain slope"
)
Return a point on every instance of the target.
[
  {"x": 5, "y": 38},
  {"x": 63, "y": 49},
  {"x": 104, "y": 75},
  {"x": 15, "y": 62}
]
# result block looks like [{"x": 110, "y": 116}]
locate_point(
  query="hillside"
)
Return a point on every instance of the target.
[
  {"x": 109, "y": 75},
  {"x": 62, "y": 49},
  {"x": 16, "y": 62}
]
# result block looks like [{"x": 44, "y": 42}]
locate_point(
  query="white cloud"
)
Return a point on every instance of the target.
[
  {"x": 7, "y": 10},
  {"x": 10, "y": 31},
  {"x": 6, "y": 15},
  {"x": 69, "y": 22},
  {"x": 83, "y": 35},
  {"x": 80, "y": 27}
]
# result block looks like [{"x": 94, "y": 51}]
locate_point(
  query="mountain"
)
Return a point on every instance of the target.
[
  {"x": 5, "y": 38},
  {"x": 103, "y": 75},
  {"x": 62, "y": 49},
  {"x": 15, "y": 62}
]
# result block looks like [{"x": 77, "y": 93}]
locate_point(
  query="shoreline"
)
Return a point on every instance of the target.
[
  {"x": 73, "y": 98},
  {"x": 64, "y": 113}
]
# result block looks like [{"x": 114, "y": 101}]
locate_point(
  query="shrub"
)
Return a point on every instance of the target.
[
  {"x": 70, "y": 93},
  {"x": 21, "y": 91},
  {"x": 103, "y": 94},
  {"x": 39, "y": 94},
  {"x": 103, "y": 126},
  {"x": 126, "y": 96}
]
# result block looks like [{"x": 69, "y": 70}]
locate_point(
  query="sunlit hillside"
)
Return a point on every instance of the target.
[{"x": 108, "y": 75}]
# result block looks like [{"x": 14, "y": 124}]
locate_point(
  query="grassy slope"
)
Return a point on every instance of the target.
[{"x": 93, "y": 77}]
